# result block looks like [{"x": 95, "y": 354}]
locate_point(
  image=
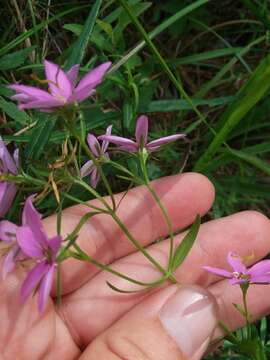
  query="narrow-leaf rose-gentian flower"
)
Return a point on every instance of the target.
[
  {"x": 62, "y": 87},
  {"x": 99, "y": 152},
  {"x": 8, "y": 165},
  {"x": 8, "y": 236},
  {"x": 256, "y": 274},
  {"x": 35, "y": 244},
  {"x": 141, "y": 138}
]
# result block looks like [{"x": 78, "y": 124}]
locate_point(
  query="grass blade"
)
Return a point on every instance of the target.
[
  {"x": 40, "y": 136},
  {"x": 159, "y": 29},
  {"x": 80, "y": 45},
  {"x": 247, "y": 98}
]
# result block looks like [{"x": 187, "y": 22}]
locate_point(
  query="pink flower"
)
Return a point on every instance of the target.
[
  {"x": 8, "y": 165},
  {"x": 256, "y": 274},
  {"x": 62, "y": 87},
  {"x": 98, "y": 151},
  {"x": 141, "y": 135},
  {"x": 8, "y": 235},
  {"x": 35, "y": 244}
]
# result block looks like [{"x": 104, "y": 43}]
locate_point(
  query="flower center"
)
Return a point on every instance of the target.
[{"x": 240, "y": 276}]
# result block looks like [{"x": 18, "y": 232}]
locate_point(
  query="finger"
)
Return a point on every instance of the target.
[
  {"x": 93, "y": 307},
  {"x": 172, "y": 324},
  {"x": 26, "y": 334},
  {"x": 183, "y": 196}
]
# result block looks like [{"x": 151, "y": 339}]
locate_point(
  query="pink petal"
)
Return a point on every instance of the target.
[
  {"x": 21, "y": 98},
  {"x": 94, "y": 145},
  {"x": 72, "y": 74},
  {"x": 236, "y": 263},
  {"x": 32, "y": 218},
  {"x": 94, "y": 77},
  {"x": 16, "y": 157},
  {"x": 87, "y": 168},
  {"x": 7, "y": 194},
  {"x": 6, "y": 159},
  {"x": 59, "y": 84},
  {"x": 218, "y": 271},
  {"x": 261, "y": 268},
  {"x": 42, "y": 104},
  {"x": 45, "y": 288},
  {"x": 105, "y": 144},
  {"x": 142, "y": 129},
  {"x": 80, "y": 95},
  {"x": 260, "y": 279},
  {"x": 164, "y": 140},
  {"x": 118, "y": 140},
  {"x": 33, "y": 279},
  {"x": 9, "y": 261},
  {"x": 7, "y": 231},
  {"x": 55, "y": 244},
  {"x": 28, "y": 243},
  {"x": 129, "y": 148},
  {"x": 31, "y": 91},
  {"x": 235, "y": 281},
  {"x": 94, "y": 179}
]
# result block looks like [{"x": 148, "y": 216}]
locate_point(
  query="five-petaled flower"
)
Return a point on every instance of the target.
[
  {"x": 35, "y": 244},
  {"x": 240, "y": 274},
  {"x": 99, "y": 152},
  {"x": 8, "y": 165},
  {"x": 62, "y": 87},
  {"x": 141, "y": 136}
]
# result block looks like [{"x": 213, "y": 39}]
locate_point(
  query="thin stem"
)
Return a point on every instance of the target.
[
  {"x": 160, "y": 204},
  {"x": 138, "y": 246},
  {"x": 244, "y": 288},
  {"x": 83, "y": 256},
  {"x": 81, "y": 141}
]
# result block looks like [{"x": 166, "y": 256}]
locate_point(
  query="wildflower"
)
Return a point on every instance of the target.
[
  {"x": 35, "y": 244},
  {"x": 141, "y": 135},
  {"x": 11, "y": 249},
  {"x": 256, "y": 274},
  {"x": 99, "y": 152},
  {"x": 8, "y": 165},
  {"x": 62, "y": 88}
]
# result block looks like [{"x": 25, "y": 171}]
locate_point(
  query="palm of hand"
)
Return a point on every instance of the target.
[{"x": 90, "y": 309}]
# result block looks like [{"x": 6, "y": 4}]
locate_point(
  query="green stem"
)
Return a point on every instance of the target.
[
  {"x": 143, "y": 160},
  {"x": 244, "y": 288},
  {"x": 83, "y": 256},
  {"x": 81, "y": 141},
  {"x": 138, "y": 246}
]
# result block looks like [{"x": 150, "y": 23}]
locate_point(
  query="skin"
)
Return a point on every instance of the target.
[{"x": 92, "y": 319}]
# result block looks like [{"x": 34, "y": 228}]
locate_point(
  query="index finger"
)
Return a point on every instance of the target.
[{"x": 184, "y": 196}]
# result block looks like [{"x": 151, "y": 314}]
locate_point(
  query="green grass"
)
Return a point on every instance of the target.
[{"x": 193, "y": 66}]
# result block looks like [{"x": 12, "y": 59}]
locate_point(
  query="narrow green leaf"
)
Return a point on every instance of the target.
[
  {"x": 15, "y": 59},
  {"x": 176, "y": 105},
  {"x": 40, "y": 136},
  {"x": 248, "y": 96},
  {"x": 184, "y": 247},
  {"x": 253, "y": 160},
  {"x": 12, "y": 111},
  {"x": 207, "y": 55},
  {"x": 80, "y": 45}
]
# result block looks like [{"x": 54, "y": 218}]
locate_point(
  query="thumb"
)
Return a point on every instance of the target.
[{"x": 175, "y": 323}]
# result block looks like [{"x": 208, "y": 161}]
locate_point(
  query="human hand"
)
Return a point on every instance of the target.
[{"x": 95, "y": 322}]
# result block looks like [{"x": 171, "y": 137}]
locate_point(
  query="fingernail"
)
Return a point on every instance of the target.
[{"x": 190, "y": 318}]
